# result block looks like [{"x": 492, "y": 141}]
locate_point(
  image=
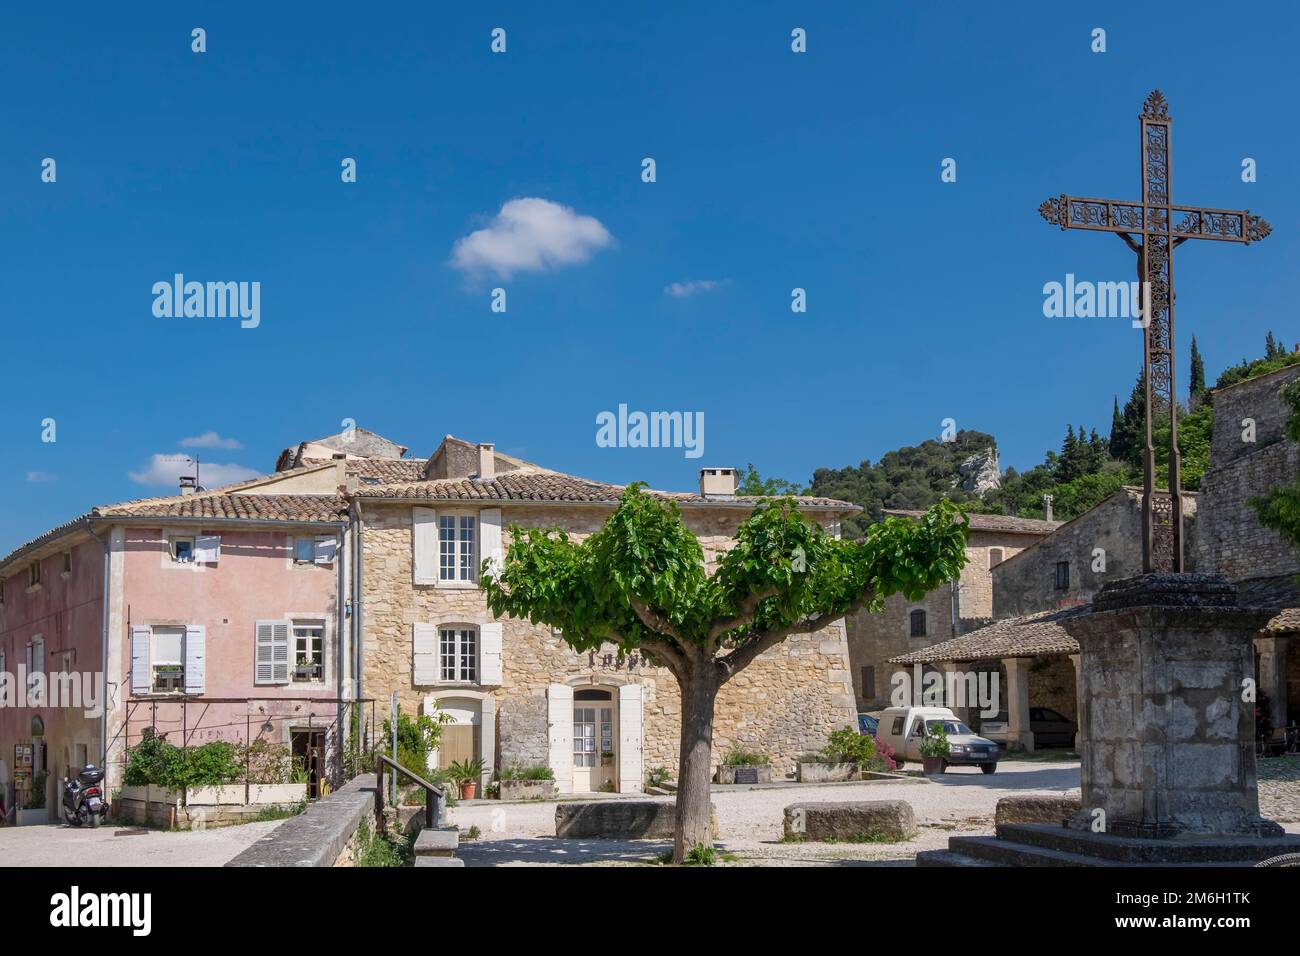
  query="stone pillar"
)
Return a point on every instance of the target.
[
  {"x": 1019, "y": 736},
  {"x": 1272, "y": 675},
  {"x": 1168, "y": 741},
  {"x": 1077, "y": 661}
]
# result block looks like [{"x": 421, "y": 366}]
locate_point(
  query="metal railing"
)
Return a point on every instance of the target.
[{"x": 435, "y": 797}]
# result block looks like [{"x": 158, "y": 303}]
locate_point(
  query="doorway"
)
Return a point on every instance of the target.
[
  {"x": 595, "y": 741},
  {"x": 308, "y": 747}
]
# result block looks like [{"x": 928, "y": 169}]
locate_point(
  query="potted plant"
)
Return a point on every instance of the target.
[
  {"x": 753, "y": 766},
  {"x": 466, "y": 774},
  {"x": 934, "y": 752}
]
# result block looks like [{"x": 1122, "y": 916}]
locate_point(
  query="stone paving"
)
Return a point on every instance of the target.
[
  {"x": 1279, "y": 790},
  {"x": 57, "y": 845}
]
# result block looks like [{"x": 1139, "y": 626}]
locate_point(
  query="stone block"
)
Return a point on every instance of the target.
[
  {"x": 852, "y": 822},
  {"x": 619, "y": 820},
  {"x": 1035, "y": 809}
]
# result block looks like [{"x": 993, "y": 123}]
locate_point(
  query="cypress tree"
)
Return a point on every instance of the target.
[{"x": 1196, "y": 392}]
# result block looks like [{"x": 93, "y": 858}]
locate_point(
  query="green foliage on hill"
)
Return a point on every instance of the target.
[
  {"x": 912, "y": 478},
  {"x": 1279, "y": 509}
]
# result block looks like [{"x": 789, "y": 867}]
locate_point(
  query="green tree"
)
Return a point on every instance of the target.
[
  {"x": 751, "y": 483},
  {"x": 1196, "y": 391},
  {"x": 640, "y": 583},
  {"x": 1128, "y": 441},
  {"x": 1271, "y": 348}
]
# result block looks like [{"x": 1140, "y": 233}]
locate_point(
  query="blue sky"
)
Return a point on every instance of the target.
[{"x": 774, "y": 171}]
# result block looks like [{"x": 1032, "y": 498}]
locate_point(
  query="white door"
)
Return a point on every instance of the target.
[{"x": 595, "y": 754}]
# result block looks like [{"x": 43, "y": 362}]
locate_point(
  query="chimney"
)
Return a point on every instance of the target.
[
  {"x": 189, "y": 484},
  {"x": 487, "y": 460},
  {"x": 717, "y": 482},
  {"x": 1047, "y": 507}
]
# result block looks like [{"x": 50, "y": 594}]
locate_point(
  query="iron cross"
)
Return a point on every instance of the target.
[{"x": 1162, "y": 226}]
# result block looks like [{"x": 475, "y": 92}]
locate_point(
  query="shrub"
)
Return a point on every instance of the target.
[
  {"x": 156, "y": 762},
  {"x": 850, "y": 746},
  {"x": 657, "y": 777},
  {"x": 738, "y": 756},
  {"x": 701, "y": 855},
  {"x": 533, "y": 772},
  {"x": 417, "y": 737},
  {"x": 935, "y": 744}
]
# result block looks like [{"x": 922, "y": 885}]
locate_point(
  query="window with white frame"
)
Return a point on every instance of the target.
[
  {"x": 314, "y": 549},
  {"x": 309, "y": 651},
  {"x": 457, "y": 548},
  {"x": 458, "y": 653},
  {"x": 182, "y": 549},
  {"x": 167, "y": 660}
]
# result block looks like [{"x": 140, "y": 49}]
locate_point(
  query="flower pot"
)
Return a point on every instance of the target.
[
  {"x": 932, "y": 766},
  {"x": 468, "y": 789}
]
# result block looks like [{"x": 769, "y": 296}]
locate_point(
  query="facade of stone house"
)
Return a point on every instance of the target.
[
  {"x": 905, "y": 626},
  {"x": 1249, "y": 455},
  {"x": 204, "y": 615},
  {"x": 1069, "y": 566},
  {"x": 518, "y": 695}
]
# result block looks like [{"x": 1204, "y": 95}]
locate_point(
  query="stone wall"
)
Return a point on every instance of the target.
[
  {"x": 785, "y": 703},
  {"x": 1231, "y": 540},
  {"x": 1026, "y": 584}
]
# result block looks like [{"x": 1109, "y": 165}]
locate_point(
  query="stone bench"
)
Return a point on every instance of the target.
[
  {"x": 1036, "y": 808},
  {"x": 852, "y": 822},
  {"x": 619, "y": 820}
]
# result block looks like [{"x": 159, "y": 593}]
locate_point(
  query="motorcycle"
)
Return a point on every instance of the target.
[{"x": 83, "y": 798}]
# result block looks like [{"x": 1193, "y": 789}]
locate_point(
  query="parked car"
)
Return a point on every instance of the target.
[
  {"x": 867, "y": 724},
  {"x": 903, "y": 728},
  {"x": 1049, "y": 727}
]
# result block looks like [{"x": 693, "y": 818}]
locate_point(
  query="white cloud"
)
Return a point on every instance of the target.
[
  {"x": 210, "y": 440},
  {"x": 39, "y": 476},
  {"x": 530, "y": 235},
  {"x": 681, "y": 290},
  {"x": 167, "y": 470}
]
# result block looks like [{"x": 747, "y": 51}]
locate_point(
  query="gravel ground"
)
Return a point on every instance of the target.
[
  {"x": 1279, "y": 790},
  {"x": 58, "y": 845},
  {"x": 749, "y": 820}
]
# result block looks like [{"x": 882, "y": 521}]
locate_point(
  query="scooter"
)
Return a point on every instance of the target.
[{"x": 83, "y": 798}]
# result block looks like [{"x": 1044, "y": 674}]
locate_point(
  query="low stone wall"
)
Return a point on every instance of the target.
[
  {"x": 1035, "y": 809},
  {"x": 619, "y": 820},
  {"x": 202, "y": 808},
  {"x": 322, "y": 835},
  {"x": 851, "y": 822},
  {"x": 527, "y": 789}
]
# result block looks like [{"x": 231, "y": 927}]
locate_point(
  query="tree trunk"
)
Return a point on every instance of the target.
[{"x": 694, "y": 818}]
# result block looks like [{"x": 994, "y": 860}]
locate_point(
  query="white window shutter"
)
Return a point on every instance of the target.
[
  {"x": 424, "y": 654},
  {"x": 630, "y": 721},
  {"x": 207, "y": 548},
  {"x": 272, "y": 663},
  {"x": 489, "y": 521},
  {"x": 195, "y": 656},
  {"x": 424, "y": 535},
  {"x": 489, "y": 661},
  {"x": 140, "y": 682},
  {"x": 559, "y": 730},
  {"x": 38, "y": 667},
  {"x": 326, "y": 548}
]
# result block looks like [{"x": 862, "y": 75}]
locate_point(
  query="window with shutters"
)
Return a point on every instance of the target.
[
  {"x": 1062, "y": 575},
  {"x": 309, "y": 651},
  {"x": 995, "y": 557},
  {"x": 181, "y": 549},
  {"x": 314, "y": 549},
  {"x": 457, "y": 548},
  {"x": 272, "y": 662},
  {"x": 458, "y": 654},
  {"x": 34, "y": 574},
  {"x": 917, "y": 618},
  {"x": 36, "y": 665},
  {"x": 166, "y": 660}
]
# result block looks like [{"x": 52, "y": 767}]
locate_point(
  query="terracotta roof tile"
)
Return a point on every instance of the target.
[
  {"x": 308, "y": 508},
  {"x": 1029, "y": 636}
]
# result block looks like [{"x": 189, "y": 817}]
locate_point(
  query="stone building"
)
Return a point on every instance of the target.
[
  {"x": 518, "y": 695},
  {"x": 905, "y": 626},
  {"x": 1249, "y": 455}
]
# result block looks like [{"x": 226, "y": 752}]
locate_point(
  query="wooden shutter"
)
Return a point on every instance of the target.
[
  {"x": 489, "y": 655},
  {"x": 489, "y": 522},
  {"x": 630, "y": 721},
  {"x": 559, "y": 730},
  {"x": 140, "y": 677},
  {"x": 195, "y": 656},
  {"x": 326, "y": 548},
  {"x": 38, "y": 667},
  {"x": 207, "y": 549},
  {"x": 424, "y": 655},
  {"x": 272, "y": 664},
  {"x": 424, "y": 535}
]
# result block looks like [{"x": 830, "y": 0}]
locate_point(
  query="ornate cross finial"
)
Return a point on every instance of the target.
[{"x": 1156, "y": 107}]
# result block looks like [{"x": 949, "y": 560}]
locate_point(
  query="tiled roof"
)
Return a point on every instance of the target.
[
  {"x": 308, "y": 508},
  {"x": 979, "y": 522},
  {"x": 385, "y": 469},
  {"x": 1030, "y": 636},
  {"x": 550, "y": 486},
  {"x": 1281, "y": 593}
]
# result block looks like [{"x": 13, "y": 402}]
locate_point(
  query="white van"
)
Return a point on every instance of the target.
[{"x": 903, "y": 728}]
